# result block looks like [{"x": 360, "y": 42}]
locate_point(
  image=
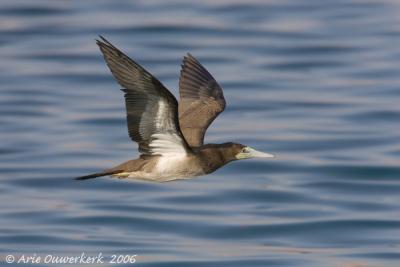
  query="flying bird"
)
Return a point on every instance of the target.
[{"x": 170, "y": 135}]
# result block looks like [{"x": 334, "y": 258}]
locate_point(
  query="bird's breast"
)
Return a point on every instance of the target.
[{"x": 179, "y": 166}]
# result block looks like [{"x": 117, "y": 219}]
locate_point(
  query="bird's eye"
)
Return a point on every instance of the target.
[{"x": 245, "y": 150}]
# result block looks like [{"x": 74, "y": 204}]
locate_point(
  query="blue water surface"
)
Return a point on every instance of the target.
[{"x": 316, "y": 83}]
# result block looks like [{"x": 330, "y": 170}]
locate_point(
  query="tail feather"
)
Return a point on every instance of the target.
[{"x": 99, "y": 174}]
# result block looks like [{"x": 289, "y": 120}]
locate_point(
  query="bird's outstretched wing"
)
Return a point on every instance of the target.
[
  {"x": 201, "y": 100},
  {"x": 152, "y": 111}
]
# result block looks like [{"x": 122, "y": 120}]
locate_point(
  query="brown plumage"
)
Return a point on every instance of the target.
[
  {"x": 170, "y": 136},
  {"x": 201, "y": 100}
]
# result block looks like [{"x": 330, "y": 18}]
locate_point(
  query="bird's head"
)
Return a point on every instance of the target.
[{"x": 239, "y": 151}]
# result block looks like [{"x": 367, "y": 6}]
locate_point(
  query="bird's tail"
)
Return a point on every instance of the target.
[{"x": 99, "y": 174}]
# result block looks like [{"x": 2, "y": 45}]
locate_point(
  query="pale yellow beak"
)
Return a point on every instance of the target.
[{"x": 248, "y": 152}]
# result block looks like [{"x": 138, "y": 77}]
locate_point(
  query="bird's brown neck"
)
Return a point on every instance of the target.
[{"x": 214, "y": 156}]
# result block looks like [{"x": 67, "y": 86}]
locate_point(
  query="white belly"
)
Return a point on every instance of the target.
[
  {"x": 166, "y": 169},
  {"x": 167, "y": 165}
]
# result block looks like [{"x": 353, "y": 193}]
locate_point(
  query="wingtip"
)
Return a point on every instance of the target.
[
  {"x": 99, "y": 37},
  {"x": 103, "y": 42},
  {"x": 103, "y": 39},
  {"x": 100, "y": 41},
  {"x": 189, "y": 57}
]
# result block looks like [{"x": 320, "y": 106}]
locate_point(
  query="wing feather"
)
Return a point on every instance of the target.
[
  {"x": 152, "y": 111},
  {"x": 201, "y": 100}
]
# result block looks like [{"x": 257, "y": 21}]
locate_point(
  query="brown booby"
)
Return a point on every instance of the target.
[{"x": 170, "y": 136}]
